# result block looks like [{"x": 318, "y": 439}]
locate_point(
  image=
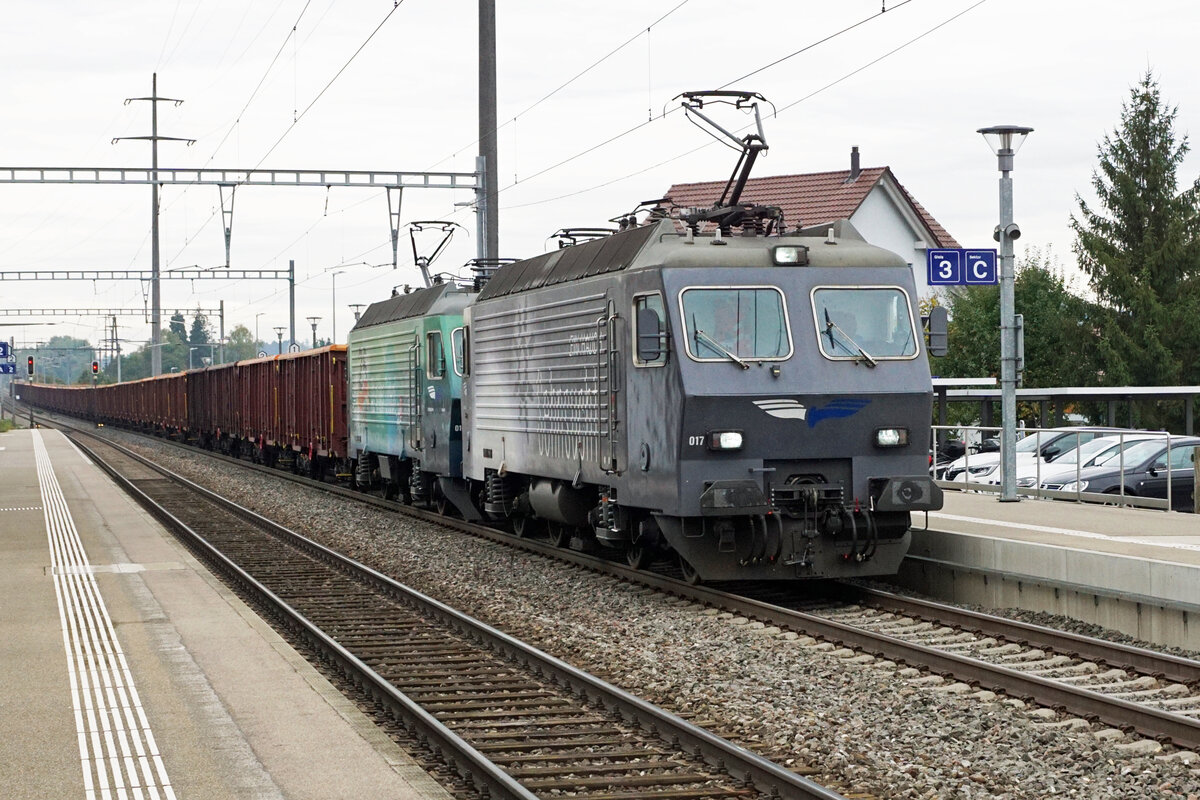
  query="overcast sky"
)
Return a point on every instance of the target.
[{"x": 318, "y": 84}]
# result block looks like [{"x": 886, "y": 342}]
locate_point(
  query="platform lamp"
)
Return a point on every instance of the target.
[
  {"x": 357, "y": 307},
  {"x": 313, "y": 321},
  {"x": 279, "y": 329},
  {"x": 1005, "y": 141}
]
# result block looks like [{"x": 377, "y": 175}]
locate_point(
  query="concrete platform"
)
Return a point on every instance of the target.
[
  {"x": 127, "y": 670},
  {"x": 1132, "y": 570}
]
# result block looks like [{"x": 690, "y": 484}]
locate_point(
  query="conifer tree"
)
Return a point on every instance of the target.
[{"x": 1140, "y": 248}]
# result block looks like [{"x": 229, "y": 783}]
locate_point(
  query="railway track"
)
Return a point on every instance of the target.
[
  {"x": 1131, "y": 689},
  {"x": 510, "y": 719},
  {"x": 1153, "y": 694}
]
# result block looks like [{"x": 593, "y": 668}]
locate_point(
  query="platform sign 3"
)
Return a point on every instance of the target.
[{"x": 961, "y": 267}]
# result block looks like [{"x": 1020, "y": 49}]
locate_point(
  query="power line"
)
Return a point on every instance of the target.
[
  {"x": 325, "y": 88},
  {"x": 641, "y": 125},
  {"x": 296, "y": 120},
  {"x": 817, "y": 43},
  {"x": 585, "y": 71},
  {"x": 781, "y": 110}
]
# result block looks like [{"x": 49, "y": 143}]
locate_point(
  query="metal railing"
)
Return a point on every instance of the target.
[{"x": 978, "y": 477}]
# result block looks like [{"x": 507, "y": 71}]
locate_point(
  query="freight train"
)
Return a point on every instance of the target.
[
  {"x": 703, "y": 386},
  {"x": 757, "y": 405}
]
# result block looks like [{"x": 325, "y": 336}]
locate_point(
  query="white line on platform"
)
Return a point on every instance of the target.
[
  {"x": 113, "y": 733},
  {"x": 1065, "y": 531}
]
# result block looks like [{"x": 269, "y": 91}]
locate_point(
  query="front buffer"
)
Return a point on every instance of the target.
[{"x": 798, "y": 528}]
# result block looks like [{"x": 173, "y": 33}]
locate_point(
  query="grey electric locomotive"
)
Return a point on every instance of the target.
[{"x": 757, "y": 404}]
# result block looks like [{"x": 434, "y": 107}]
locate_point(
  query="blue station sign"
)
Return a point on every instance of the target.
[
  {"x": 961, "y": 267},
  {"x": 8, "y": 369},
  {"x": 5, "y": 352}
]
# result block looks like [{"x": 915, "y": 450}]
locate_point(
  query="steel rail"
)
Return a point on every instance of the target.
[
  {"x": 1154, "y": 723},
  {"x": 1113, "y": 654},
  {"x": 765, "y": 775},
  {"x": 470, "y": 762}
]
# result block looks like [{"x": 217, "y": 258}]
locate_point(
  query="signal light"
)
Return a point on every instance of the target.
[
  {"x": 31, "y": 365},
  {"x": 95, "y": 367}
]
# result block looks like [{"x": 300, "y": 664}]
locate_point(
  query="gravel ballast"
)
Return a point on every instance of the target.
[{"x": 869, "y": 725}]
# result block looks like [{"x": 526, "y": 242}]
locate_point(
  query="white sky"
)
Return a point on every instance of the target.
[{"x": 407, "y": 101}]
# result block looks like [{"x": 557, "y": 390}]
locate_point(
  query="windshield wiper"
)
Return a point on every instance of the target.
[
  {"x": 715, "y": 345},
  {"x": 831, "y": 326}
]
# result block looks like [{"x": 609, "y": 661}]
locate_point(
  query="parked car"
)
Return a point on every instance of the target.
[
  {"x": 1142, "y": 470},
  {"x": 1046, "y": 444},
  {"x": 1068, "y": 464}
]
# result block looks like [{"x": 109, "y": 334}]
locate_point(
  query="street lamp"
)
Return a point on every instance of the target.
[
  {"x": 358, "y": 307},
  {"x": 256, "y": 339},
  {"x": 279, "y": 329},
  {"x": 198, "y": 347},
  {"x": 1005, "y": 141},
  {"x": 313, "y": 321},
  {"x": 333, "y": 300}
]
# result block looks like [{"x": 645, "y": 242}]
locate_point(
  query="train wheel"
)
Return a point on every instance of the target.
[
  {"x": 525, "y": 526},
  {"x": 560, "y": 534},
  {"x": 442, "y": 505},
  {"x": 639, "y": 556},
  {"x": 689, "y": 572}
]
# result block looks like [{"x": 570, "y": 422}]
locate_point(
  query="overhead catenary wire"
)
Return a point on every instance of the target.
[
  {"x": 641, "y": 125},
  {"x": 781, "y": 110},
  {"x": 641, "y": 31},
  {"x": 297, "y": 117}
]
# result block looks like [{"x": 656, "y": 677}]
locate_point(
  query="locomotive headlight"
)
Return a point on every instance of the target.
[
  {"x": 725, "y": 440},
  {"x": 790, "y": 255},
  {"x": 891, "y": 437}
]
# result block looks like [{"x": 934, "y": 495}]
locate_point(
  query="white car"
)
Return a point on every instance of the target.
[
  {"x": 1067, "y": 465},
  {"x": 985, "y": 467}
]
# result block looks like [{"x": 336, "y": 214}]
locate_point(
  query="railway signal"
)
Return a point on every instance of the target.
[
  {"x": 95, "y": 367},
  {"x": 30, "y": 364}
]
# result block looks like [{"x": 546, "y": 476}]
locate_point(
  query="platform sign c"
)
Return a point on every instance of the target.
[{"x": 981, "y": 268}]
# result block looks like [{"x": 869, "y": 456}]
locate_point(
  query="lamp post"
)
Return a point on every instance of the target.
[
  {"x": 333, "y": 300},
  {"x": 256, "y": 339},
  {"x": 313, "y": 321},
  {"x": 279, "y": 329},
  {"x": 198, "y": 347},
  {"x": 1005, "y": 141},
  {"x": 358, "y": 307}
]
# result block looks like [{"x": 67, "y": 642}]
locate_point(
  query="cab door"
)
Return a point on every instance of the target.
[{"x": 610, "y": 372}]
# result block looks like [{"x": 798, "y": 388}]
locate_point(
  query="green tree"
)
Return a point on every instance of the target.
[
  {"x": 241, "y": 345},
  {"x": 201, "y": 332},
  {"x": 62, "y": 359},
  {"x": 1060, "y": 340},
  {"x": 179, "y": 326},
  {"x": 1140, "y": 249}
]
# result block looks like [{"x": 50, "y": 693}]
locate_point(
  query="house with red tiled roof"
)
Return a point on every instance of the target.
[{"x": 877, "y": 204}]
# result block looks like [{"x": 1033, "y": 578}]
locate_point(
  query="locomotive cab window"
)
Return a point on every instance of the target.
[
  {"x": 736, "y": 323},
  {"x": 864, "y": 323},
  {"x": 649, "y": 330},
  {"x": 458, "y": 351},
  {"x": 435, "y": 366}
]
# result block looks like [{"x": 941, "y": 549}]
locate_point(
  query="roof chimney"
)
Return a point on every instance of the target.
[{"x": 855, "y": 169}]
